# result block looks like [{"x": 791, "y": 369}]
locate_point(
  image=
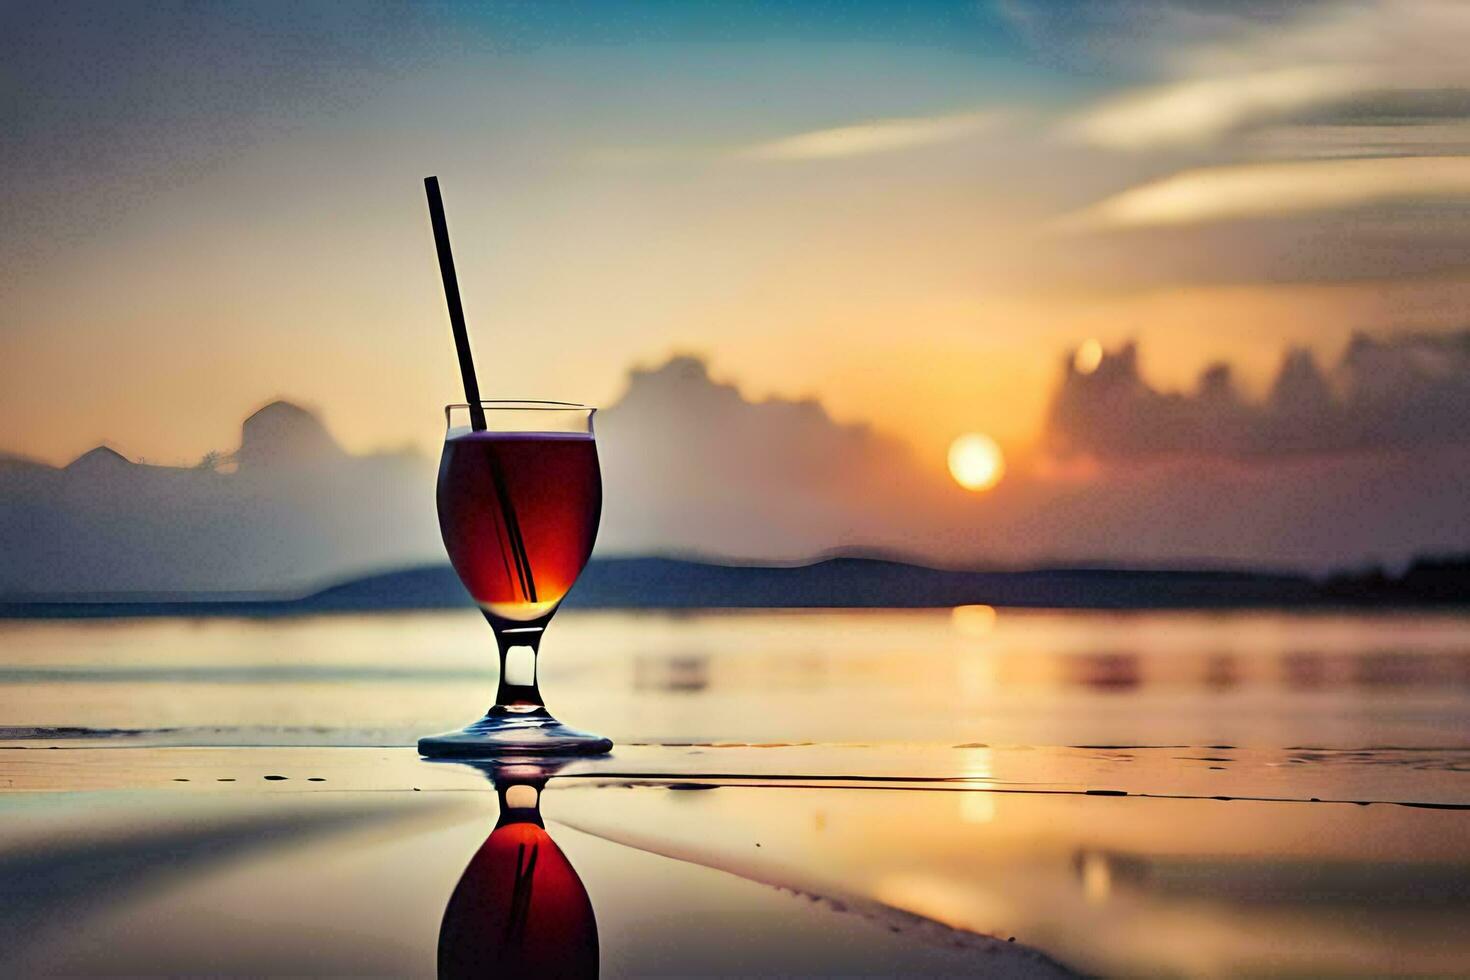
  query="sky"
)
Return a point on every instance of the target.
[{"x": 911, "y": 214}]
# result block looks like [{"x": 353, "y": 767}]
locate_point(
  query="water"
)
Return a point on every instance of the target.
[
  {"x": 929, "y": 792},
  {"x": 946, "y": 677}
]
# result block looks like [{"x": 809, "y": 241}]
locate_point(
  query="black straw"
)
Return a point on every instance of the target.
[
  {"x": 472, "y": 387},
  {"x": 456, "y": 308}
]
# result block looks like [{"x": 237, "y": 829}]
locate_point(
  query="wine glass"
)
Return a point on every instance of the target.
[{"x": 520, "y": 495}]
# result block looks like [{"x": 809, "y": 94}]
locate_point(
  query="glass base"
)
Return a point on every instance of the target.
[{"x": 504, "y": 731}]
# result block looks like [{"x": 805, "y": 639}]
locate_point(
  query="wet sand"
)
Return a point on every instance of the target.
[
  {"x": 340, "y": 860},
  {"x": 311, "y": 880}
]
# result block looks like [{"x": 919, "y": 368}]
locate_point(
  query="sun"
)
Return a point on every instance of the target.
[
  {"x": 975, "y": 461},
  {"x": 1088, "y": 356}
]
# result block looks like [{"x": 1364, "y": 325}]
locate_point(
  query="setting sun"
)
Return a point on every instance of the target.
[
  {"x": 1088, "y": 357},
  {"x": 975, "y": 461}
]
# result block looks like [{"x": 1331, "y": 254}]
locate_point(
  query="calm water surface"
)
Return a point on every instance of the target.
[{"x": 1012, "y": 677}]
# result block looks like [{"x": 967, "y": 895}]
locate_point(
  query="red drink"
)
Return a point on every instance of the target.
[{"x": 518, "y": 512}]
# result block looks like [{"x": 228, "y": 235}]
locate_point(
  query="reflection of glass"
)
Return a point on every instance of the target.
[
  {"x": 519, "y": 502},
  {"x": 519, "y": 908}
]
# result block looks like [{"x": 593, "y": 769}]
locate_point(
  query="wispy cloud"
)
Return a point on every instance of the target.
[
  {"x": 1267, "y": 189},
  {"x": 1297, "y": 142},
  {"x": 861, "y": 139},
  {"x": 876, "y": 136},
  {"x": 1198, "y": 110},
  {"x": 1341, "y": 59}
]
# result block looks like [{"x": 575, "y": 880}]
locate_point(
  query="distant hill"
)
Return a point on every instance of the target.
[
  {"x": 846, "y": 582},
  {"x": 666, "y": 583}
]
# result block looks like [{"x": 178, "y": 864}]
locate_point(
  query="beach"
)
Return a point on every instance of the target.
[
  {"x": 735, "y": 489},
  {"x": 918, "y": 792}
]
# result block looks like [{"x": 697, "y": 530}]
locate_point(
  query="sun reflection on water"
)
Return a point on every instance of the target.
[{"x": 974, "y": 620}]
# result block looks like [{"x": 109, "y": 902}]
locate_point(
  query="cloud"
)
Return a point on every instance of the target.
[
  {"x": 1367, "y": 460},
  {"x": 1197, "y": 110},
  {"x": 1324, "y": 141},
  {"x": 296, "y": 509},
  {"x": 870, "y": 138},
  {"x": 1402, "y": 393},
  {"x": 1323, "y": 62},
  {"x": 875, "y": 136},
  {"x": 690, "y": 464},
  {"x": 1317, "y": 142},
  {"x": 1269, "y": 189}
]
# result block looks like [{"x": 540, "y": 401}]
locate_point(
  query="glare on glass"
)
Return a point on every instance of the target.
[{"x": 519, "y": 502}]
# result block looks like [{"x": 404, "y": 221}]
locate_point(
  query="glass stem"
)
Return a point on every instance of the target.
[{"x": 519, "y": 647}]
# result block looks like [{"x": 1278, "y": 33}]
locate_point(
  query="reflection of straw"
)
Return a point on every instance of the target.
[
  {"x": 513, "y": 531},
  {"x": 472, "y": 386},
  {"x": 520, "y": 897}
]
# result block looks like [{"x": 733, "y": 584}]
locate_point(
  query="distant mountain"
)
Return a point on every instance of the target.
[
  {"x": 653, "y": 583},
  {"x": 668, "y": 583}
]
